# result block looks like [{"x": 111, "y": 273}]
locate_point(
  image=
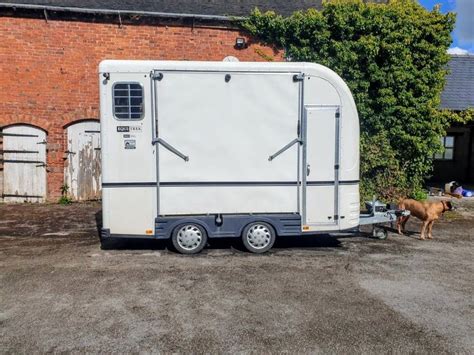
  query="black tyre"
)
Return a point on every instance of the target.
[
  {"x": 189, "y": 238},
  {"x": 380, "y": 233},
  {"x": 258, "y": 237}
]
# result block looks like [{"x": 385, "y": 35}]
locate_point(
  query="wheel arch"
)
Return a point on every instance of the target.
[
  {"x": 269, "y": 221},
  {"x": 186, "y": 220}
]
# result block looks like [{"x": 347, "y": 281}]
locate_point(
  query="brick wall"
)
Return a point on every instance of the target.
[{"x": 48, "y": 68}]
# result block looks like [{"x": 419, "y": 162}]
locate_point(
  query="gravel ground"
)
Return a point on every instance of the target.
[{"x": 61, "y": 293}]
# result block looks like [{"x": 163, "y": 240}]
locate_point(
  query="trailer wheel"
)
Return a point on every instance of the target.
[
  {"x": 380, "y": 233},
  {"x": 189, "y": 238},
  {"x": 258, "y": 237}
]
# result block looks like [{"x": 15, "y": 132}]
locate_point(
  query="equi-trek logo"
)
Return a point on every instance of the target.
[{"x": 125, "y": 129}]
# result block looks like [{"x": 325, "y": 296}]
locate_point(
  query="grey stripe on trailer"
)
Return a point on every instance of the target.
[{"x": 224, "y": 183}]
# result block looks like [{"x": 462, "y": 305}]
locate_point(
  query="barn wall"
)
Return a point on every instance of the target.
[{"x": 48, "y": 69}]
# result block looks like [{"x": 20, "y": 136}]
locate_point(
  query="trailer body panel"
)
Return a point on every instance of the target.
[{"x": 213, "y": 141}]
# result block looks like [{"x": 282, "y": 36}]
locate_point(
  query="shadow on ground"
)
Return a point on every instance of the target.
[{"x": 307, "y": 241}]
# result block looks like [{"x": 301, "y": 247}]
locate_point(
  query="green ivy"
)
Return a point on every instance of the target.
[{"x": 393, "y": 57}]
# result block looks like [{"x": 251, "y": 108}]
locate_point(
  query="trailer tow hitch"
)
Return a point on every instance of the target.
[{"x": 379, "y": 214}]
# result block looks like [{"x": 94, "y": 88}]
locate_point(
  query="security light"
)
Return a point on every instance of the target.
[{"x": 240, "y": 43}]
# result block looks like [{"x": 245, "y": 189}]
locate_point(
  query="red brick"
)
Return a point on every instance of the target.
[{"x": 48, "y": 69}]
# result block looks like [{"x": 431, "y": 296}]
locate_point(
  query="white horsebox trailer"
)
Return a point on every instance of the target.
[{"x": 192, "y": 150}]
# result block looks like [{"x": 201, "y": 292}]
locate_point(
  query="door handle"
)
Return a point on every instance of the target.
[{"x": 308, "y": 169}]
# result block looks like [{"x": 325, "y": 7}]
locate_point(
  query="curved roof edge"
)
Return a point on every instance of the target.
[{"x": 134, "y": 66}]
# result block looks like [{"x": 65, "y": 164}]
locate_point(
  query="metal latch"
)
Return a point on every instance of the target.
[
  {"x": 156, "y": 76},
  {"x": 298, "y": 77}
]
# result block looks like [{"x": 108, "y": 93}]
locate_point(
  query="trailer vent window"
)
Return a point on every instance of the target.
[{"x": 128, "y": 101}]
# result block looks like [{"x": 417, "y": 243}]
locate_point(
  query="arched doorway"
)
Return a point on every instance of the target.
[
  {"x": 24, "y": 164},
  {"x": 83, "y": 170}
]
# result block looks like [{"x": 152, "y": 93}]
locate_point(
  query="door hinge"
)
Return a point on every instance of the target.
[
  {"x": 337, "y": 114},
  {"x": 24, "y": 196},
  {"x": 336, "y": 167},
  {"x": 20, "y": 161},
  {"x": 298, "y": 77}
]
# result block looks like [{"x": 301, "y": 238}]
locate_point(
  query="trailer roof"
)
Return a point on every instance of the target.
[
  {"x": 141, "y": 66},
  {"x": 146, "y": 66}
]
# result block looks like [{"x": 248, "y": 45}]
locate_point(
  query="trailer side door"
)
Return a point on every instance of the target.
[
  {"x": 320, "y": 167},
  {"x": 128, "y": 156}
]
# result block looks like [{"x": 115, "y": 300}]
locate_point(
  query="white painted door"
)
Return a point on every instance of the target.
[
  {"x": 320, "y": 166},
  {"x": 83, "y": 168},
  {"x": 24, "y": 164}
]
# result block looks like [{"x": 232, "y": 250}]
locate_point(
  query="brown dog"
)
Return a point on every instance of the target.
[{"x": 428, "y": 212}]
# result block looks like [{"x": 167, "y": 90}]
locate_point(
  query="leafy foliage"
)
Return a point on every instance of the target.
[
  {"x": 64, "y": 199},
  {"x": 393, "y": 57}
]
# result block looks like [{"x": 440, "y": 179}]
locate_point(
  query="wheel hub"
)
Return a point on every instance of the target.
[
  {"x": 189, "y": 237},
  {"x": 259, "y": 236}
]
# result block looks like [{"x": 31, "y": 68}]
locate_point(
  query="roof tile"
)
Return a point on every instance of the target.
[
  {"x": 458, "y": 93},
  {"x": 202, "y": 7}
]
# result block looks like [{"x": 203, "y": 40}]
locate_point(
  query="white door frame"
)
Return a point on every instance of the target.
[
  {"x": 304, "y": 165},
  {"x": 157, "y": 75}
]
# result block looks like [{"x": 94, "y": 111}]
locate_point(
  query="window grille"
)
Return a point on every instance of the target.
[{"x": 128, "y": 101}]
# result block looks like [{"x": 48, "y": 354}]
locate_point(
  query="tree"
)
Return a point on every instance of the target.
[{"x": 393, "y": 57}]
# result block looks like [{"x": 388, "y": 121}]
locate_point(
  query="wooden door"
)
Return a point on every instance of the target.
[
  {"x": 83, "y": 168},
  {"x": 24, "y": 164}
]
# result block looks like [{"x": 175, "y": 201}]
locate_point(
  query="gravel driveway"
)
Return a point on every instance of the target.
[{"x": 60, "y": 292}]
